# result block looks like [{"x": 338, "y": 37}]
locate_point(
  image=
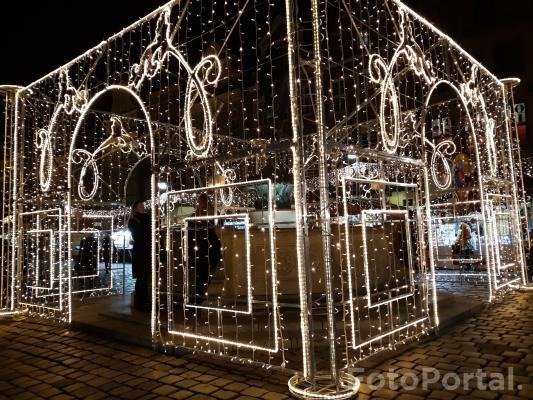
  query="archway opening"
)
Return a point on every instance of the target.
[
  {"x": 456, "y": 205},
  {"x": 110, "y": 167}
]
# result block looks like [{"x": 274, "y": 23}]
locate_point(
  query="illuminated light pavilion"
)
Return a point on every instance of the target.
[{"x": 354, "y": 158}]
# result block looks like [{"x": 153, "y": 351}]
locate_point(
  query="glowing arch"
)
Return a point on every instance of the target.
[
  {"x": 425, "y": 141},
  {"x": 86, "y": 108}
]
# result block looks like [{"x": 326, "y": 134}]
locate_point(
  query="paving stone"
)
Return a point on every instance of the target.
[
  {"x": 407, "y": 396},
  {"x": 186, "y": 383},
  {"x": 236, "y": 387},
  {"x": 484, "y": 394},
  {"x": 204, "y": 388},
  {"x": 171, "y": 379},
  {"x": 205, "y": 378},
  {"x": 38, "y": 359},
  {"x": 224, "y": 394},
  {"x": 181, "y": 394},
  {"x": 442, "y": 395},
  {"x": 133, "y": 394},
  {"x": 274, "y": 396}
]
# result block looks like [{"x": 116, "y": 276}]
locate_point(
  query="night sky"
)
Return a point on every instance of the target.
[{"x": 39, "y": 36}]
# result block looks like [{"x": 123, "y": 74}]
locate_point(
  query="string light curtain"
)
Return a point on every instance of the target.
[{"x": 302, "y": 164}]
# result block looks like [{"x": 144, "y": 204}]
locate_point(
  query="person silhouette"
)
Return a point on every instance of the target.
[
  {"x": 204, "y": 249},
  {"x": 139, "y": 225}
]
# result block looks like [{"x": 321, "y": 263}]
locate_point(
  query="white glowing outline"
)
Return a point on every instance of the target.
[
  {"x": 97, "y": 274},
  {"x": 73, "y": 100},
  {"x": 249, "y": 297},
  {"x": 446, "y": 147},
  {"x": 473, "y": 96},
  {"x": 36, "y": 286},
  {"x": 364, "y": 213},
  {"x": 298, "y": 206},
  {"x": 229, "y": 177},
  {"x": 381, "y": 73},
  {"x": 365, "y": 256},
  {"x": 153, "y": 192},
  {"x": 348, "y": 387},
  {"x": 495, "y": 248},
  {"x": 383, "y": 336},
  {"x": 464, "y": 217},
  {"x": 121, "y": 140},
  {"x": 152, "y": 61},
  {"x": 517, "y": 216},
  {"x": 59, "y": 215},
  {"x": 271, "y": 220},
  {"x": 496, "y": 239},
  {"x": 484, "y": 211}
]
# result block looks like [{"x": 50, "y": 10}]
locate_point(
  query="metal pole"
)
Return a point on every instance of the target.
[
  {"x": 123, "y": 265},
  {"x": 325, "y": 222}
]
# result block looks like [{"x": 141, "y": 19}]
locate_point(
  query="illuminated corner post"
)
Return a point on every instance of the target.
[
  {"x": 333, "y": 384},
  {"x": 7, "y": 303},
  {"x": 519, "y": 199},
  {"x": 308, "y": 364}
]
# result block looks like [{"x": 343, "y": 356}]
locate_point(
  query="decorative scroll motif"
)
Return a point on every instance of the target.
[
  {"x": 206, "y": 72},
  {"x": 440, "y": 166},
  {"x": 73, "y": 100},
  {"x": 358, "y": 169},
  {"x": 118, "y": 138},
  {"x": 226, "y": 194},
  {"x": 382, "y": 73},
  {"x": 473, "y": 96}
]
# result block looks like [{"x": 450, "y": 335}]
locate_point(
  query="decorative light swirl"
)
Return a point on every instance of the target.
[
  {"x": 118, "y": 138},
  {"x": 358, "y": 169},
  {"x": 209, "y": 65},
  {"x": 44, "y": 143},
  {"x": 71, "y": 100},
  {"x": 440, "y": 151},
  {"x": 206, "y": 72},
  {"x": 229, "y": 177},
  {"x": 382, "y": 73},
  {"x": 492, "y": 155},
  {"x": 474, "y": 97},
  {"x": 89, "y": 163}
]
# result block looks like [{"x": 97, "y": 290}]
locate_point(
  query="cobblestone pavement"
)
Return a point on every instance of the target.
[
  {"x": 496, "y": 339},
  {"x": 39, "y": 360}
]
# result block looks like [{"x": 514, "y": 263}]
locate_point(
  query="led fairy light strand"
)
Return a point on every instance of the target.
[
  {"x": 246, "y": 219},
  {"x": 271, "y": 217},
  {"x": 120, "y": 61},
  {"x": 50, "y": 234},
  {"x": 324, "y": 195},
  {"x": 87, "y": 107},
  {"x": 120, "y": 140},
  {"x": 73, "y": 100},
  {"x": 381, "y": 73},
  {"x": 448, "y": 39},
  {"x": 7, "y": 92},
  {"x": 14, "y": 260},
  {"x": 151, "y": 63},
  {"x": 480, "y": 175},
  {"x": 514, "y": 191},
  {"x": 52, "y": 213},
  {"x": 348, "y": 258},
  {"x": 308, "y": 369},
  {"x": 99, "y": 252},
  {"x": 102, "y": 45},
  {"x": 522, "y": 168}
]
